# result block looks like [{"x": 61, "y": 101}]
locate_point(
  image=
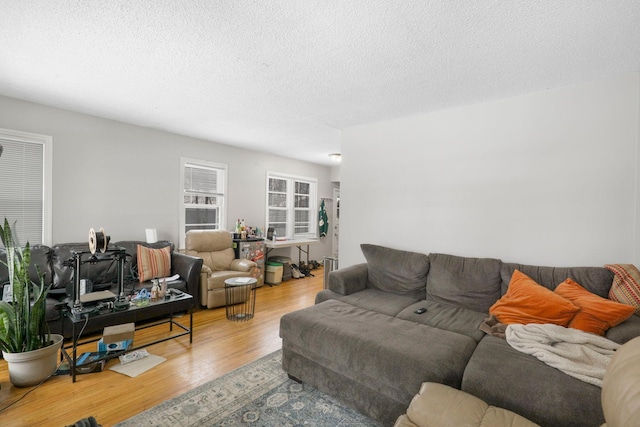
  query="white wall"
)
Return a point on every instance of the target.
[
  {"x": 548, "y": 178},
  {"x": 125, "y": 178}
]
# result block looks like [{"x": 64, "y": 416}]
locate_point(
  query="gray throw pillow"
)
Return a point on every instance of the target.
[{"x": 396, "y": 271}]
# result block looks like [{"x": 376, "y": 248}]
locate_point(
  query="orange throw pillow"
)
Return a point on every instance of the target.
[
  {"x": 596, "y": 314},
  {"x": 528, "y": 302}
]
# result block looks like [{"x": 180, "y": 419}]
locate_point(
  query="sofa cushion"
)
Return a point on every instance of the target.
[
  {"x": 528, "y": 302},
  {"x": 215, "y": 261},
  {"x": 40, "y": 257},
  {"x": 594, "y": 279},
  {"x": 446, "y": 317},
  {"x": 400, "y": 272},
  {"x": 596, "y": 314},
  {"x": 626, "y": 284},
  {"x": 101, "y": 274},
  {"x": 217, "y": 278},
  {"x": 153, "y": 263},
  {"x": 504, "y": 377},
  {"x": 472, "y": 283},
  {"x": 625, "y": 331},
  {"x": 371, "y": 299},
  {"x": 220, "y": 260},
  {"x": 208, "y": 240}
]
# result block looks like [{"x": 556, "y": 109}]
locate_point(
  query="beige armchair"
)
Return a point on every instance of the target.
[{"x": 215, "y": 247}]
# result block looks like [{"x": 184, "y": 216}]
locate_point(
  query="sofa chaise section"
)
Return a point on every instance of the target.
[{"x": 387, "y": 358}]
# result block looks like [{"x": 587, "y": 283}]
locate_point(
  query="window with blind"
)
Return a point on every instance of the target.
[
  {"x": 203, "y": 196},
  {"x": 25, "y": 192},
  {"x": 291, "y": 205}
]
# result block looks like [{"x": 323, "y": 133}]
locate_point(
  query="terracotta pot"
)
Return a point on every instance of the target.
[{"x": 32, "y": 367}]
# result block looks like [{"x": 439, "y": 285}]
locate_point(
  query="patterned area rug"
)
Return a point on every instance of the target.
[{"x": 257, "y": 394}]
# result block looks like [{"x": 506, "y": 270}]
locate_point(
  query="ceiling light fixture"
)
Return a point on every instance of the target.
[{"x": 336, "y": 157}]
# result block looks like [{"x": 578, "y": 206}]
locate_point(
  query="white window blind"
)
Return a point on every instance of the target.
[
  {"x": 302, "y": 223},
  {"x": 278, "y": 205},
  {"x": 203, "y": 195},
  {"x": 25, "y": 174}
]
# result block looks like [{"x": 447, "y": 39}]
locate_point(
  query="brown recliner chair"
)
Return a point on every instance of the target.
[{"x": 215, "y": 247}]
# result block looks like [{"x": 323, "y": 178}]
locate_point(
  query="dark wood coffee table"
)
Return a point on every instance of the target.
[{"x": 162, "y": 310}]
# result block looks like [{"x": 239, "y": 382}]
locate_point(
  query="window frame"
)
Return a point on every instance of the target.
[
  {"x": 224, "y": 168},
  {"x": 290, "y": 208},
  {"x": 46, "y": 141}
]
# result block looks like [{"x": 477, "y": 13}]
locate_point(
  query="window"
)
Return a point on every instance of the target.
[
  {"x": 203, "y": 196},
  {"x": 291, "y": 205},
  {"x": 25, "y": 193}
]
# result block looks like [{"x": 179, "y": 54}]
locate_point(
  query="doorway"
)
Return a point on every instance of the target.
[{"x": 335, "y": 228}]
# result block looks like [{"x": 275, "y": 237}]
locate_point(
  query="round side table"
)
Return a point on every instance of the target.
[{"x": 240, "y": 298}]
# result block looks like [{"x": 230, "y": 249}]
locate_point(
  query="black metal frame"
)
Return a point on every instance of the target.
[
  {"x": 117, "y": 253},
  {"x": 165, "y": 308}
]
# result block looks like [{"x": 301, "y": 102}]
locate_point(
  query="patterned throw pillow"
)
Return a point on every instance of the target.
[
  {"x": 626, "y": 285},
  {"x": 153, "y": 263}
]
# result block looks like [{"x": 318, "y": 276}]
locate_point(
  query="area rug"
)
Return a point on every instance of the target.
[{"x": 257, "y": 394}]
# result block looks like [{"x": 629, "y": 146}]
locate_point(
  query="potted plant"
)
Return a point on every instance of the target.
[{"x": 28, "y": 347}]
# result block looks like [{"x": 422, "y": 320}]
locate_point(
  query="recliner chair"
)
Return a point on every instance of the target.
[{"x": 215, "y": 247}]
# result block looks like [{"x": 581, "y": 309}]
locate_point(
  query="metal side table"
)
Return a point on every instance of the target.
[{"x": 240, "y": 298}]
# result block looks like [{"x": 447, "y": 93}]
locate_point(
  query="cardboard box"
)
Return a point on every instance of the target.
[
  {"x": 117, "y": 333},
  {"x": 114, "y": 346},
  {"x": 86, "y": 363}
]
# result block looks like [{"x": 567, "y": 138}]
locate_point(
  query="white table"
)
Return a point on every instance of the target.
[{"x": 299, "y": 243}]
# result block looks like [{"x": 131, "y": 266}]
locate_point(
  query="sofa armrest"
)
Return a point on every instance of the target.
[
  {"x": 243, "y": 265},
  {"x": 349, "y": 280},
  {"x": 188, "y": 267},
  {"x": 625, "y": 331},
  {"x": 462, "y": 409},
  {"x": 620, "y": 387}
]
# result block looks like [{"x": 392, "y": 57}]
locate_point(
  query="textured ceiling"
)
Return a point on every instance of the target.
[{"x": 287, "y": 76}]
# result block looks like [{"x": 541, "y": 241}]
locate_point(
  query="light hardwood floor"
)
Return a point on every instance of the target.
[{"x": 219, "y": 346}]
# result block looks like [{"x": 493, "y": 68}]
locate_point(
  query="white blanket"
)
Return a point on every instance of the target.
[{"x": 580, "y": 354}]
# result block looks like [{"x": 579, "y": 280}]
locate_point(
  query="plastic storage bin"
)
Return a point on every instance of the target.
[
  {"x": 286, "y": 265},
  {"x": 274, "y": 273}
]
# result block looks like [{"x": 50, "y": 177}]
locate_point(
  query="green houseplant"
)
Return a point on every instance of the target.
[{"x": 24, "y": 333}]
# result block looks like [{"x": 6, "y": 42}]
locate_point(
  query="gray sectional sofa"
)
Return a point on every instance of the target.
[{"x": 364, "y": 342}]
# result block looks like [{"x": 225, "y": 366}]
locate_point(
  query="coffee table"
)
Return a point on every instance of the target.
[{"x": 162, "y": 309}]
